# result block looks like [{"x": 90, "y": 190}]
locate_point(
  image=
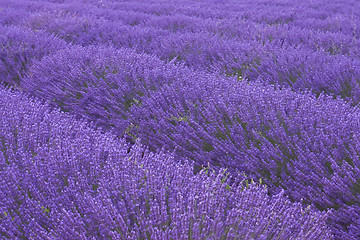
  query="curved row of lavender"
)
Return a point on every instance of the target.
[
  {"x": 297, "y": 142},
  {"x": 285, "y": 42},
  {"x": 175, "y": 88},
  {"x": 60, "y": 179}
]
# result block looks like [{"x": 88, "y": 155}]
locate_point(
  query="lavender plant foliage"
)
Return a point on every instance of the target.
[
  {"x": 258, "y": 47},
  {"x": 61, "y": 179},
  {"x": 78, "y": 28},
  {"x": 208, "y": 118},
  {"x": 28, "y": 6},
  {"x": 10, "y": 15},
  {"x": 303, "y": 144},
  {"x": 99, "y": 83},
  {"x": 19, "y": 47}
]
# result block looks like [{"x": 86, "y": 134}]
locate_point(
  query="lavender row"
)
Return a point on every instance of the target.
[
  {"x": 190, "y": 17},
  {"x": 230, "y": 26},
  {"x": 287, "y": 60},
  {"x": 275, "y": 144},
  {"x": 61, "y": 179},
  {"x": 304, "y": 144},
  {"x": 19, "y": 47},
  {"x": 99, "y": 83},
  {"x": 294, "y": 66},
  {"x": 270, "y": 64},
  {"x": 317, "y": 15}
]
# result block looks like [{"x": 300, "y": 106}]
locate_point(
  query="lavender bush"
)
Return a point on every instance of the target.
[
  {"x": 99, "y": 83},
  {"x": 265, "y": 88},
  {"x": 303, "y": 144},
  {"x": 19, "y": 47},
  {"x": 61, "y": 179},
  {"x": 283, "y": 137},
  {"x": 258, "y": 48}
]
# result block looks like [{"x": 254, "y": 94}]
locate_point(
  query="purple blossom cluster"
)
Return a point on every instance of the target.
[
  {"x": 61, "y": 179},
  {"x": 99, "y": 83},
  {"x": 289, "y": 44},
  {"x": 268, "y": 89},
  {"x": 19, "y": 47},
  {"x": 304, "y": 144}
]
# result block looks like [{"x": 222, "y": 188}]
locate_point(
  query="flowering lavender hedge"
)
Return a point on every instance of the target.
[
  {"x": 61, "y": 179},
  {"x": 303, "y": 144},
  {"x": 99, "y": 83},
  {"x": 277, "y": 48},
  {"x": 19, "y": 47},
  {"x": 286, "y": 138},
  {"x": 193, "y": 82}
]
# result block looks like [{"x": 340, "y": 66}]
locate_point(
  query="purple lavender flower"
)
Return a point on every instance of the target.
[{"x": 62, "y": 179}]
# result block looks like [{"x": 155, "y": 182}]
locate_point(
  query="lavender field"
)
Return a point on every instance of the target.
[{"x": 186, "y": 119}]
